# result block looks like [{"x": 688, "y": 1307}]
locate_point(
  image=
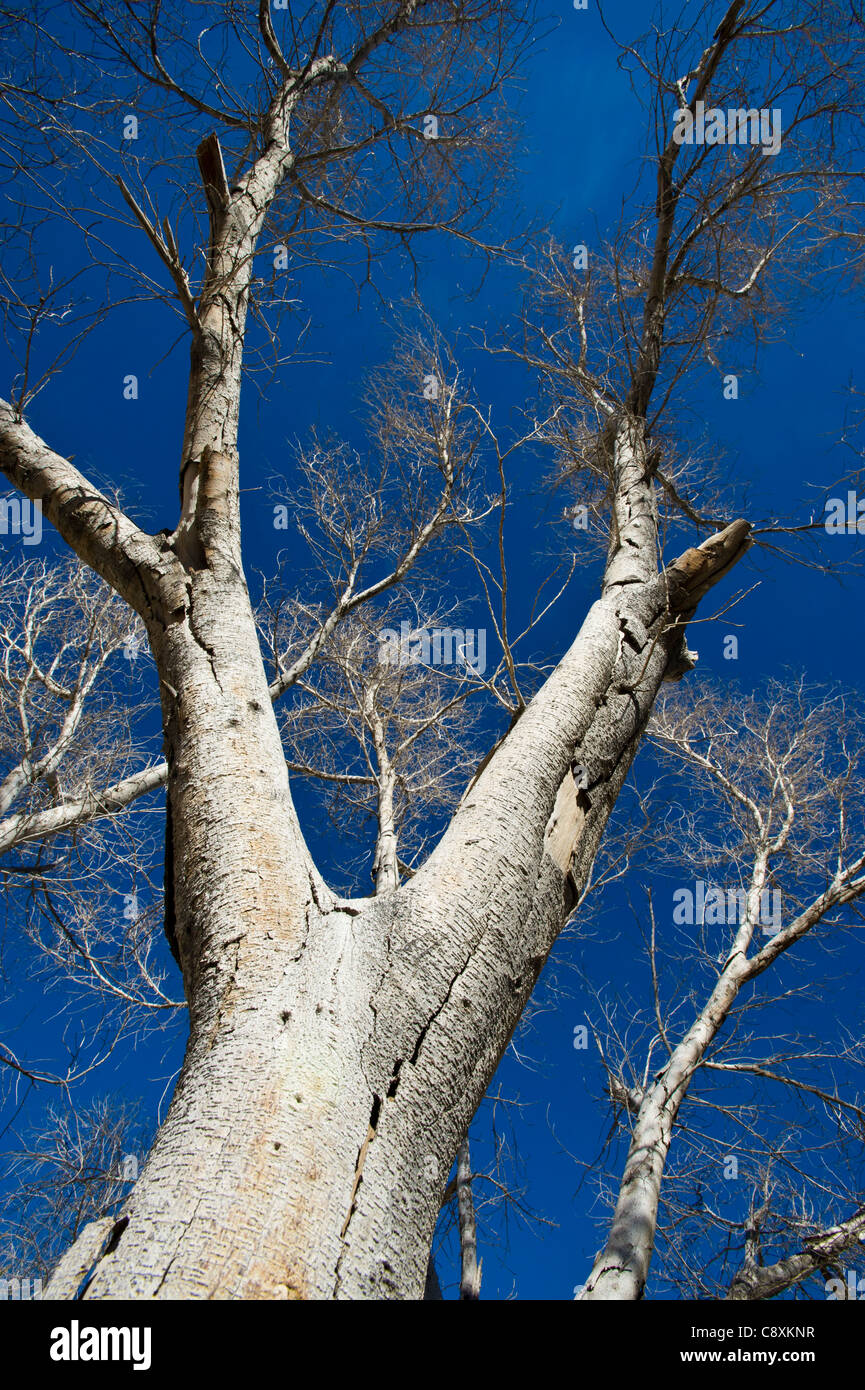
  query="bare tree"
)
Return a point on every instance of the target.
[
  {"x": 329, "y": 1082},
  {"x": 60, "y": 630},
  {"x": 76, "y": 1169},
  {"x": 407, "y": 721},
  {"x": 774, "y": 834},
  {"x": 737, "y": 210},
  {"x": 470, "y": 1280},
  {"x": 72, "y": 728},
  {"x": 820, "y": 1252}
]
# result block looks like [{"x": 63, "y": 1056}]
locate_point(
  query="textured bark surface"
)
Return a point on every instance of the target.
[
  {"x": 757, "y": 1282},
  {"x": 338, "y": 1050}
]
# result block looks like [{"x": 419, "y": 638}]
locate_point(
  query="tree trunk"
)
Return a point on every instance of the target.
[
  {"x": 621, "y": 1270},
  {"x": 470, "y": 1271},
  {"x": 338, "y": 1049}
]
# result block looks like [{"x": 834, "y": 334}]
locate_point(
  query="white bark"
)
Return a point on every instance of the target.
[
  {"x": 621, "y": 1269},
  {"x": 39, "y": 825},
  {"x": 338, "y": 1050},
  {"x": 470, "y": 1270},
  {"x": 767, "y": 1281}
]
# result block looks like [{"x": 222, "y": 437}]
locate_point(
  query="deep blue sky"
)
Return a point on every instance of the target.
[{"x": 582, "y": 138}]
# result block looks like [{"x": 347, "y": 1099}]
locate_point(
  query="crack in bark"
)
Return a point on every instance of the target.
[
  {"x": 111, "y": 1242},
  {"x": 394, "y": 1080},
  {"x": 167, "y": 1270},
  {"x": 372, "y": 1130},
  {"x": 358, "y": 1179},
  {"x": 433, "y": 1016},
  {"x": 199, "y": 641}
]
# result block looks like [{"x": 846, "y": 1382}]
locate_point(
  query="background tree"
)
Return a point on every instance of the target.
[
  {"x": 81, "y": 895},
  {"x": 772, "y": 836},
  {"x": 76, "y": 1170}
]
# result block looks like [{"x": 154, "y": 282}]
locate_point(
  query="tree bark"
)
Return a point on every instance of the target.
[
  {"x": 338, "y": 1050},
  {"x": 470, "y": 1272},
  {"x": 759, "y": 1282}
]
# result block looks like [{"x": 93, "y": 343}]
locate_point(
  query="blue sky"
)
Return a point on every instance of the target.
[{"x": 582, "y": 143}]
